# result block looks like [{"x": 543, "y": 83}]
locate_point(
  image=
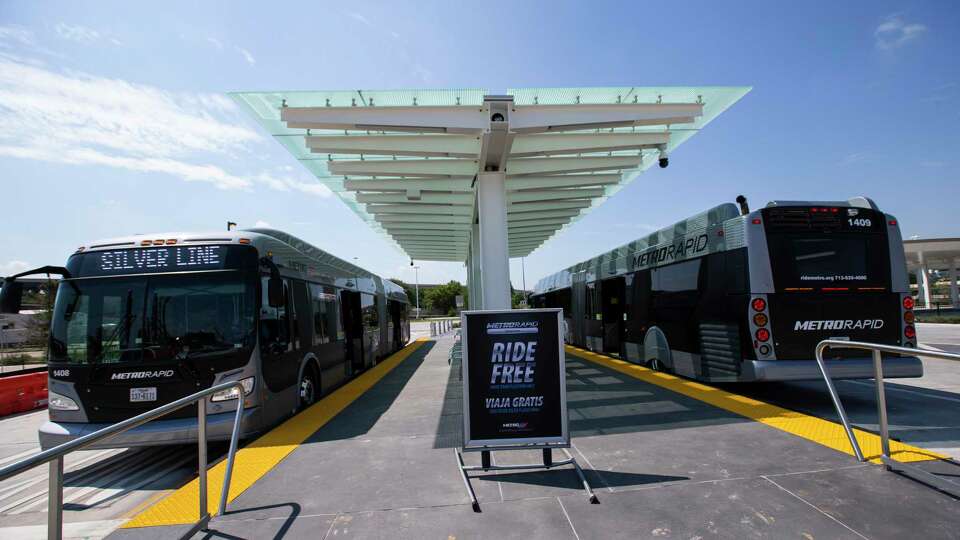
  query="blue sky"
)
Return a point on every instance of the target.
[{"x": 113, "y": 117}]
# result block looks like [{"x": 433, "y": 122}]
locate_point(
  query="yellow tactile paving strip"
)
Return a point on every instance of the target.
[
  {"x": 818, "y": 430},
  {"x": 256, "y": 459}
]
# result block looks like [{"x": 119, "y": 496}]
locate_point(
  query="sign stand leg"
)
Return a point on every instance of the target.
[
  {"x": 583, "y": 478},
  {"x": 466, "y": 482},
  {"x": 548, "y": 463}
]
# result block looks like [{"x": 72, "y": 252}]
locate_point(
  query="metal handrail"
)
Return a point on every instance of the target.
[
  {"x": 54, "y": 456},
  {"x": 877, "y": 350}
]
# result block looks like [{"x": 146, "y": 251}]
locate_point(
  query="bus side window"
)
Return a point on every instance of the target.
[
  {"x": 736, "y": 269},
  {"x": 638, "y": 308},
  {"x": 274, "y": 323},
  {"x": 326, "y": 321},
  {"x": 302, "y": 331},
  {"x": 677, "y": 277}
]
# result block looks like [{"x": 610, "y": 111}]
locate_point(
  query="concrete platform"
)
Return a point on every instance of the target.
[{"x": 664, "y": 466}]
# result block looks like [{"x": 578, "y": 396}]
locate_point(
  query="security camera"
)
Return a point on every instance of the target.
[
  {"x": 664, "y": 159},
  {"x": 496, "y": 117}
]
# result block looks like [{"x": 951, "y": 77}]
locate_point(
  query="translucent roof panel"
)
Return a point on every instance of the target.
[{"x": 407, "y": 171}]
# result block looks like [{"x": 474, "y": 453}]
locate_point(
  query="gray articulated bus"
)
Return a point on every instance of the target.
[
  {"x": 144, "y": 320},
  {"x": 734, "y": 295}
]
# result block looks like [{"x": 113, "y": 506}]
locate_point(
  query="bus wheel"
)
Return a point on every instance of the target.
[{"x": 308, "y": 388}]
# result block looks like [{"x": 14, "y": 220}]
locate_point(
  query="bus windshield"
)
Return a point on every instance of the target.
[{"x": 155, "y": 319}]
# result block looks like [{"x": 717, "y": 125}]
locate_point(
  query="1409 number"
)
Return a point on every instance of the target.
[{"x": 859, "y": 222}]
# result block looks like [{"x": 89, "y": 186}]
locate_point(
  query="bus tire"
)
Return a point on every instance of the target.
[
  {"x": 309, "y": 387},
  {"x": 656, "y": 350}
]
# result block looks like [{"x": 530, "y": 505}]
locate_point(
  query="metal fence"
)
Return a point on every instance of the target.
[
  {"x": 877, "y": 351},
  {"x": 55, "y": 456}
]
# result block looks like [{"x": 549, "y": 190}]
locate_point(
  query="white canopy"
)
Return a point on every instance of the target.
[{"x": 407, "y": 162}]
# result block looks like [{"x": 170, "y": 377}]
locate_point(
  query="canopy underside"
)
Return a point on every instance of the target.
[{"x": 407, "y": 161}]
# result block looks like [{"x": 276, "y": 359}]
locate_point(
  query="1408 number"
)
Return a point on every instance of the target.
[{"x": 859, "y": 222}]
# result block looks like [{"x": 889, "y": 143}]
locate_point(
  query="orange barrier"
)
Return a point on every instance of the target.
[{"x": 19, "y": 393}]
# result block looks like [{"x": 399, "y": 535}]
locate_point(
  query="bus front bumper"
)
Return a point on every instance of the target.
[
  {"x": 155, "y": 433},
  {"x": 847, "y": 368}
]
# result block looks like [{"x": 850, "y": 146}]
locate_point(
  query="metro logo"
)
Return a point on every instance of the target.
[
  {"x": 839, "y": 324},
  {"x": 161, "y": 373}
]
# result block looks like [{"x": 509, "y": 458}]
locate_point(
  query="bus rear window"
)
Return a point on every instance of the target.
[{"x": 820, "y": 260}]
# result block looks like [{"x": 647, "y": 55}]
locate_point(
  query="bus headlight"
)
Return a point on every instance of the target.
[
  {"x": 61, "y": 403},
  {"x": 231, "y": 393}
]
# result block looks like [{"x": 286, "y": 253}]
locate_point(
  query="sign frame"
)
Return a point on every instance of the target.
[{"x": 561, "y": 441}]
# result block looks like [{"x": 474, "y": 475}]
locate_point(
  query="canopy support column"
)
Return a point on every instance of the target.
[
  {"x": 494, "y": 257},
  {"x": 473, "y": 271},
  {"x": 924, "y": 281},
  {"x": 954, "y": 293}
]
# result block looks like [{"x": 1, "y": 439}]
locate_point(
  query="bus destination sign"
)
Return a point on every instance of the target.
[
  {"x": 515, "y": 385},
  {"x": 150, "y": 260}
]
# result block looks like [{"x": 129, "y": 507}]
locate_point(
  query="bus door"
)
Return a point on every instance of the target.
[
  {"x": 353, "y": 329},
  {"x": 396, "y": 325},
  {"x": 612, "y": 305},
  {"x": 577, "y": 302}
]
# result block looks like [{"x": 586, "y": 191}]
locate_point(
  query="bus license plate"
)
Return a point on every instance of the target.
[{"x": 139, "y": 395}]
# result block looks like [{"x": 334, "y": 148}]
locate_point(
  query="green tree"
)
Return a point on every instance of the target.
[
  {"x": 443, "y": 298},
  {"x": 38, "y": 328},
  {"x": 516, "y": 299}
]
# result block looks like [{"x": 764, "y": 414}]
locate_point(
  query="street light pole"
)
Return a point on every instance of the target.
[
  {"x": 416, "y": 273},
  {"x": 523, "y": 275}
]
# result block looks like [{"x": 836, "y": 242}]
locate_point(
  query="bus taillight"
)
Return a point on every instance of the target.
[
  {"x": 908, "y": 302},
  {"x": 908, "y": 317},
  {"x": 909, "y": 331},
  {"x": 764, "y": 335},
  {"x": 759, "y": 304},
  {"x": 760, "y": 319}
]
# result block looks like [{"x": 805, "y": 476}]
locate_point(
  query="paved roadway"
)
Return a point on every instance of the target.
[
  {"x": 103, "y": 487},
  {"x": 924, "y": 411},
  {"x": 664, "y": 465}
]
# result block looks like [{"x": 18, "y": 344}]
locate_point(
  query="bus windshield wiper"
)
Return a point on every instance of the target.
[{"x": 207, "y": 350}]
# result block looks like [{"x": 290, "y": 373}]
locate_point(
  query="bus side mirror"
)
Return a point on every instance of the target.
[
  {"x": 275, "y": 292},
  {"x": 11, "y": 296}
]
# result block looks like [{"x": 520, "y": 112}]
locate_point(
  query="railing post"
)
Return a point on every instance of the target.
[
  {"x": 231, "y": 454},
  {"x": 818, "y": 353},
  {"x": 202, "y": 458},
  {"x": 881, "y": 402},
  {"x": 55, "y": 500}
]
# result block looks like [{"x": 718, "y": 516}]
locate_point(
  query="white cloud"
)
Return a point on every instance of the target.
[
  {"x": 289, "y": 184},
  {"x": 18, "y": 37},
  {"x": 359, "y": 17},
  {"x": 80, "y": 34},
  {"x": 216, "y": 43},
  {"x": 855, "y": 157},
  {"x": 81, "y": 119},
  {"x": 246, "y": 55},
  {"x": 13, "y": 267},
  {"x": 894, "y": 32},
  {"x": 16, "y": 34},
  {"x": 262, "y": 224}
]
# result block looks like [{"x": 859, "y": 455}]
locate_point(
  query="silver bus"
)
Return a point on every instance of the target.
[
  {"x": 141, "y": 321},
  {"x": 735, "y": 295}
]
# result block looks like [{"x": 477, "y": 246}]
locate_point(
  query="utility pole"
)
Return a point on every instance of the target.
[
  {"x": 523, "y": 276},
  {"x": 416, "y": 273}
]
